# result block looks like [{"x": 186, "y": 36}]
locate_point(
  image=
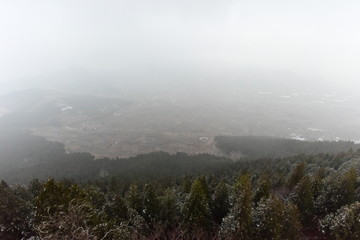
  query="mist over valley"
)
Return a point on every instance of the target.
[
  {"x": 178, "y": 120},
  {"x": 128, "y": 118}
]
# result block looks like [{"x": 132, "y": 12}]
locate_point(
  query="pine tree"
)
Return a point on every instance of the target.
[
  {"x": 134, "y": 199},
  {"x": 15, "y": 215},
  {"x": 317, "y": 183},
  {"x": 221, "y": 202},
  {"x": 35, "y": 187},
  {"x": 238, "y": 223},
  {"x": 338, "y": 191},
  {"x": 186, "y": 184},
  {"x": 197, "y": 211},
  {"x": 297, "y": 174},
  {"x": 349, "y": 186},
  {"x": 53, "y": 197},
  {"x": 344, "y": 224},
  {"x": 262, "y": 191},
  {"x": 116, "y": 209},
  {"x": 292, "y": 224},
  {"x": 169, "y": 212},
  {"x": 151, "y": 204},
  {"x": 273, "y": 219},
  {"x": 303, "y": 198}
]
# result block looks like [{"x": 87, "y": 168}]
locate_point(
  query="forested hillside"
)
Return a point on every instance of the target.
[
  {"x": 24, "y": 157},
  {"x": 263, "y": 146},
  {"x": 163, "y": 196}
]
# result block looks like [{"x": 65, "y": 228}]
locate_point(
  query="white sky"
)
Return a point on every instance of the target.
[{"x": 316, "y": 37}]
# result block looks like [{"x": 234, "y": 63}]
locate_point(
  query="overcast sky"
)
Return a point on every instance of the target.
[{"x": 309, "y": 37}]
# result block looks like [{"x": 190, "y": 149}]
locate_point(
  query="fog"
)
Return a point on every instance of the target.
[
  {"x": 179, "y": 119},
  {"x": 316, "y": 40},
  {"x": 160, "y": 75}
]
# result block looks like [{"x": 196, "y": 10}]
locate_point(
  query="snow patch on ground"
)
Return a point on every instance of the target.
[
  {"x": 66, "y": 108},
  {"x": 315, "y": 129},
  {"x": 204, "y": 139},
  {"x": 295, "y": 136}
]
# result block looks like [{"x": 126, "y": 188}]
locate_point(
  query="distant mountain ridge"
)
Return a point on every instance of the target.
[
  {"x": 42, "y": 107},
  {"x": 253, "y": 147}
]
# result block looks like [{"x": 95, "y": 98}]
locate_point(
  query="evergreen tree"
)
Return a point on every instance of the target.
[
  {"x": 35, "y": 187},
  {"x": 349, "y": 183},
  {"x": 302, "y": 196},
  {"x": 15, "y": 215},
  {"x": 53, "y": 197},
  {"x": 221, "y": 202},
  {"x": 197, "y": 210},
  {"x": 317, "y": 183},
  {"x": 116, "y": 209},
  {"x": 292, "y": 224},
  {"x": 273, "y": 219},
  {"x": 243, "y": 207},
  {"x": 344, "y": 224},
  {"x": 297, "y": 174},
  {"x": 134, "y": 199},
  {"x": 262, "y": 191},
  {"x": 151, "y": 205},
  {"x": 338, "y": 191},
  {"x": 186, "y": 184},
  {"x": 238, "y": 223},
  {"x": 169, "y": 212}
]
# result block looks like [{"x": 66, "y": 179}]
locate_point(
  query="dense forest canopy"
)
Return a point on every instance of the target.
[
  {"x": 264, "y": 146},
  {"x": 314, "y": 196},
  {"x": 24, "y": 157},
  {"x": 164, "y": 196}
]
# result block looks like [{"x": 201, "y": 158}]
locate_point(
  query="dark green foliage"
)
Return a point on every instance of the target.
[
  {"x": 115, "y": 209},
  {"x": 339, "y": 190},
  {"x": 43, "y": 159},
  {"x": 349, "y": 185},
  {"x": 35, "y": 187},
  {"x": 91, "y": 194},
  {"x": 296, "y": 175},
  {"x": 205, "y": 187},
  {"x": 163, "y": 196},
  {"x": 238, "y": 223},
  {"x": 220, "y": 202},
  {"x": 262, "y": 191},
  {"x": 317, "y": 183},
  {"x": 186, "y": 184},
  {"x": 271, "y": 147},
  {"x": 151, "y": 205},
  {"x": 303, "y": 198},
  {"x": 274, "y": 219},
  {"x": 54, "y": 197},
  {"x": 169, "y": 212},
  {"x": 344, "y": 224},
  {"x": 134, "y": 199},
  {"x": 197, "y": 211},
  {"x": 15, "y": 215},
  {"x": 242, "y": 209}
]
